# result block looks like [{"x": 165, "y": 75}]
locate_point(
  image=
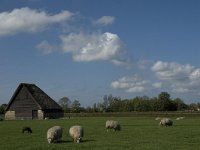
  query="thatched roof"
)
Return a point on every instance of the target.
[{"x": 40, "y": 97}]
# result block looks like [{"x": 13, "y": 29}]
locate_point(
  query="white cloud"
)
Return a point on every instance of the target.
[
  {"x": 105, "y": 20},
  {"x": 144, "y": 64},
  {"x": 122, "y": 62},
  {"x": 182, "y": 78},
  {"x": 45, "y": 47},
  {"x": 133, "y": 84},
  {"x": 97, "y": 46},
  {"x": 157, "y": 85},
  {"x": 172, "y": 70},
  {"x": 195, "y": 75},
  {"x": 29, "y": 20}
]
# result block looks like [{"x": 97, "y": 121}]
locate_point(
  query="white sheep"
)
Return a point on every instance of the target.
[
  {"x": 180, "y": 118},
  {"x": 157, "y": 118},
  {"x": 166, "y": 122},
  {"x": 54, "y": 134},
  {"x": 111, "y": 124},
  {"x": 46, "y": 118},
  {"x": 76, "y": 132}
]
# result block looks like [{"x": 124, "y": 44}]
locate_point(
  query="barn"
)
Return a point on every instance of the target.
[{"x": 30, "y": 102}]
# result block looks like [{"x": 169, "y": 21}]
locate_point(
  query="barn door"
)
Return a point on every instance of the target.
[{"x": 34, "y": 114}]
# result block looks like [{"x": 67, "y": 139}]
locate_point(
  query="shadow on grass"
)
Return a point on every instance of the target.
[
  {"x": 88, "y": 140},
  {"x": 70, "y": 141},
  {"x": 63, "y": 141}
]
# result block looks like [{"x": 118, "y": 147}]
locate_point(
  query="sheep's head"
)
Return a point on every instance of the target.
[
  {"x": 49, "y": 140},
  {"x": 118, "y": 127},
  {"x": 160, "y": 123},
  {"x": 78, "y": 140}
]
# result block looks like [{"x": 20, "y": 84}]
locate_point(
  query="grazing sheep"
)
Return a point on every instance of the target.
[
  {"x": 180, "y": 118},
  {"x": 76, "y": 132},
  {"x": 157, "y": 118},
  {"x": 54, "y": 134},
  {"x": 166, "y": 122},
  {"x": 26, "y": 129},
  {"x": 46, "y": 118},
  {"x": 111, "y": 124}
]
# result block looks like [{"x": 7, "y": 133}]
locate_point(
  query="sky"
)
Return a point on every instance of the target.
[{"x": 85, "y": 49}]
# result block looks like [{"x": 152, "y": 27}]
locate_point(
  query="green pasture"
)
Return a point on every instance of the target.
[{"x": 138, "y": 133}]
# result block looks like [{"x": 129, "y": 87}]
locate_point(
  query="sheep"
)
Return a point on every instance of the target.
[
  {"x": 111, "y": 124},
  {"x": 46, "y": 118},
  {"x": 54, "y": 134},
  {"x": 76, "y": 132},
  {"x": 180, "y": 118},
  {"x": 157, "y": 118},
  {"x": 166, "y": 122},
  {"x": 27, "y": 129}
]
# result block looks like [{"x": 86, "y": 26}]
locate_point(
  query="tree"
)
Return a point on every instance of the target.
[
  {"x": 100, "y": 107},
  {"x": 106, "y": 100},
  {"x": 65, "y": 104},
  {"x": 126, "y": 106},
  {"x": 95, "y": 107},
  {"x": 115, "y": 105},
  {"x": 156, "y": 104},
  {"x": 165, "y": 101},
  {"x": 180, "y": 105},
  {"x": 3, "y": 108},
  {"x": 112, "y": 104},
  {"x": 76, "y": 106},
  {"x": 193, "y": 107}
]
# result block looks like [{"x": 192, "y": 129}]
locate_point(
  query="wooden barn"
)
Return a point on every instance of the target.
[{"x": 30, "y": 102}]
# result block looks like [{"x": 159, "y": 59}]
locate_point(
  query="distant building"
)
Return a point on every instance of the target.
[{"x": 30, "y": 102}]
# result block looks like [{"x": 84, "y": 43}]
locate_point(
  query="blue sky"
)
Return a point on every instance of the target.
[{"x": 85, "y": 49}]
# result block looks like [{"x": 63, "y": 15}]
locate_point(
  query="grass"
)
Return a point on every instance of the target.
[{"x": 138, "y": 133}]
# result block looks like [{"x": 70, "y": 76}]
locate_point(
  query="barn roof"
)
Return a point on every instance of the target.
[{"x": 39, "y": 96}]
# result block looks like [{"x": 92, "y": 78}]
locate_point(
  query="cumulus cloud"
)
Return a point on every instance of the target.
[
  {"x": 182, "y": 78},
  {"x": 134, "y": 84},
  {"x": 172, "y": 70},
  {"x": 29, "y": 20},
  {"x": 105, "y": 20},
  {"x": 195, "y": 75},
  {"x": 91, "y": 47},
  {"x": 45, "y": 47}
]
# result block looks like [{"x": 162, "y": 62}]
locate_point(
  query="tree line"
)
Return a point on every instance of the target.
[
  {"x": 163, "y": 102},
  {"x": 109, "y": 103}
]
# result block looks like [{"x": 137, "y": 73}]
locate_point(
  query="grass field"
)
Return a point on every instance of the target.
[{"x": 138, "y": 133}]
